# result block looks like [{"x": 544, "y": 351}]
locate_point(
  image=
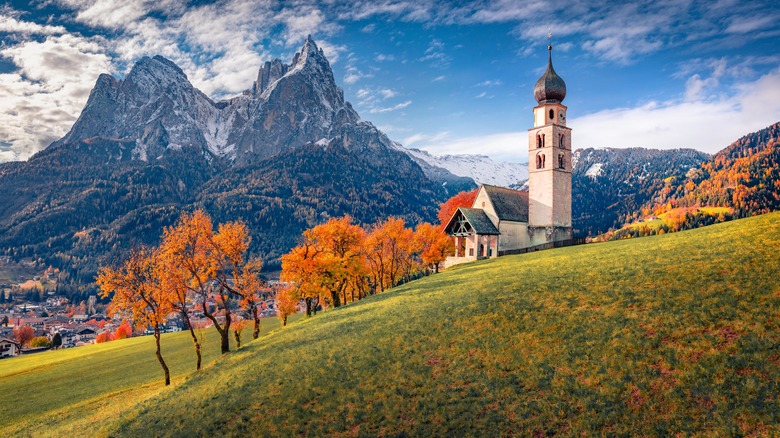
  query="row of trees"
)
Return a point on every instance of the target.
[
  {"x": 195, "y": 268},
  {"x": 338, "y": 261}
]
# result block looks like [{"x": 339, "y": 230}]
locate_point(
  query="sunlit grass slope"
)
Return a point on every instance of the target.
[
  {"x": 64, "y": 393},
  {"x": 645, "y": 336},
  {"x": 672, "y": 333}
]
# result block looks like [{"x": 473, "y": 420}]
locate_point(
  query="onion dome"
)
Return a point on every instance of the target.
[{"x": 550, "y": 88}]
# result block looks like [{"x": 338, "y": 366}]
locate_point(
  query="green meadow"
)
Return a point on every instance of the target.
[
  {"x": 65, "y": 392},
  {"x": 678, "y": 333}
]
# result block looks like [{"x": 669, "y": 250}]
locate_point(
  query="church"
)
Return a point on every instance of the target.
[{"x": 503, "y": 221}]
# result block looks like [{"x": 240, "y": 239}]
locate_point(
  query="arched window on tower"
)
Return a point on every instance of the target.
[
  {"x": 544, "y": 158},
  {"x": 539, "y": 162},
  {"x": 561, "y": 164},
  {"x": 538, "y": 141},
  {"x": 543, "y": 143},
  {"x": 560, "y": 141},
  {"x": 552, "y": 114}
]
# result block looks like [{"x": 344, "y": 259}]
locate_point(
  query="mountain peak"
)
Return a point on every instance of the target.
[{"x": 308, "y": 55}]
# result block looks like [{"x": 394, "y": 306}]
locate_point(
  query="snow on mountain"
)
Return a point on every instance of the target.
[
  {"x": 594, "y": 170},
  {"x": 482, "y": 169},
  {"x": 156, "y": 109}
]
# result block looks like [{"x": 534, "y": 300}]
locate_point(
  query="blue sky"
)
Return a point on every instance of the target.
[{"x": 447, "y": 77}]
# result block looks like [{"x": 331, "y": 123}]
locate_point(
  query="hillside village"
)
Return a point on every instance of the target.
[{"x": 58, "y": 323}]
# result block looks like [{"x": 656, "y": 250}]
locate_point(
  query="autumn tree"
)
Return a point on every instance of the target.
[
  {"x": 388, "y": 252},
  {"x": 434, "y": 245},
  {"x": 238, "y": 275},
  {"x": 124, "y": 331},
  {"x": 238, "y": 326},
  {"x": 189, "y": 265},
  {"x": 448, "y": 208},
  {"x": 138, "y": 293},
  {"x": 286, "y": 303},
  {"x": 302, "y": 268},
  {"x": 330, "y": 261},
  {"x": 24, "y": 335},
  {"x": 105, "y": 336},
  {"x": 40, "y": 341}
]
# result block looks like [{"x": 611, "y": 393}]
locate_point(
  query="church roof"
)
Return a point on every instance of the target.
[
  {"x": 510, "y": 205},
  {"x": 468, "y": 220},
  {"x": 550, "y": 88}
]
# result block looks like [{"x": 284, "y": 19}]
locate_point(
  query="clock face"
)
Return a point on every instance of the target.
[{"x": 562, "y": 115}]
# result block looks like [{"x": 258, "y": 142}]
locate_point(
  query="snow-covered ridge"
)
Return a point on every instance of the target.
[{"x": 482, "y": 169}]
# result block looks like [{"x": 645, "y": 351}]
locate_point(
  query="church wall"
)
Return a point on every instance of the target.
[
  {"x": 540, "y": 197},
  {"x": 482, "y": 201},
  {"x": 514, "y": 235},
  {"x": 562, "y": 198}
]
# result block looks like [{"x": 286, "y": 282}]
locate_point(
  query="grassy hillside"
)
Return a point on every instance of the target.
[
  {"x": 62, "y": 393},
  {"x": 679, "y": 332}
]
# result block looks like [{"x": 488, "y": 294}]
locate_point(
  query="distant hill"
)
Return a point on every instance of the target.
[
  {"x": 744, "y": 176},
  {"x": 609, "y": 185},
  {"x": 673, "y": 334}
]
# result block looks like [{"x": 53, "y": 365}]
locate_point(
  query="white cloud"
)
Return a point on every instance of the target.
[
  {"x": 304, "y": 20},
  {"x": 489, "y": 83},
  {"x": 43, "y": 97},
  {"x": 401, "y": 105},
  {"x": 504, "y": 146},
  {"x": 12, "y": 25},
  {"x": 696, "y": 124},
  {"x": 699, "y": 124},
  {"x": 421, "y": 137}
]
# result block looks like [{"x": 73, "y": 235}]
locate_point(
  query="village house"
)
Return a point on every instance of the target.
[
  {"x": 503, "y": 221},
  {"x": 8, "y": 347}
]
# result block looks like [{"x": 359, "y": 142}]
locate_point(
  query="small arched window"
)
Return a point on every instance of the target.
[
  {"x": 560, "y": 141},
  {"x": 552, "y": 114},
  {"x": 544, "y": 144},
  {"x": 560, "y": 162},
  {"x": 544, "y": 158},
  {"x": 538, "y": 141},
  {"x": 539, "y": 161}
]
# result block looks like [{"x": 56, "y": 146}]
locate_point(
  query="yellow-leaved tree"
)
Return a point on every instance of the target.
[{"x": 138, "y": 293}]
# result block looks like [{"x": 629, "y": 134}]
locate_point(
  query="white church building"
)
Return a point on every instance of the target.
[{"x": 503, "y": 221}]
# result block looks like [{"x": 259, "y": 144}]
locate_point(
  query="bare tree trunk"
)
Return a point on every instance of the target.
[
  {"x": 186, "y": 317},
  {"x": 237, "y": 335},
  {"x": 225, "y": 332},
  {"x": 197, "y": 346},
  {"x": 159, "y": 355}
]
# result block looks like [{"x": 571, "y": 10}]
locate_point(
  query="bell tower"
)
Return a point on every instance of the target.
[{"x": 549, "y": 162}]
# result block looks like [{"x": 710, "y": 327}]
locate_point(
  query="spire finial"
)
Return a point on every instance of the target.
[{"x": 549, "y": 39}]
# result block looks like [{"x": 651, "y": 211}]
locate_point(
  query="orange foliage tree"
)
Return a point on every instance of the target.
[
  {"x": 286, "y": 303},
  {"x": 388, "y": 251},
  {"x": 202, "y": 265},
  {"x": 329, "y": 262},
  {"x": 124, "y": 331},
  {"x": 448, "y": 208},
  {"x": 238, "y": 275},
  {"x": 105, "y": 336},
  {"x": 24, "y": 335},
  {"x": 186, "y": 254},
  {"x": 434, "y": 245},
  {"x": 138, "y": 293},
  {"x": 238, "y": 326}
]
